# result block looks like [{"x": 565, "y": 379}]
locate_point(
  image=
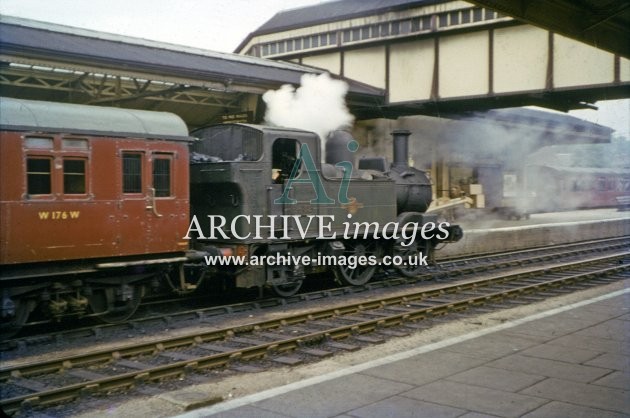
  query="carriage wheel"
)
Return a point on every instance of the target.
[
  {"x": 104, "y": 303},
  {"x": 361, "y": 274},
  {"x": 12, "y": 325}
]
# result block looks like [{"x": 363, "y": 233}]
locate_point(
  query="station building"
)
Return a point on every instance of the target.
[
  {"x": 450, "y": 62},
  {"x": 447, "y": 70}
]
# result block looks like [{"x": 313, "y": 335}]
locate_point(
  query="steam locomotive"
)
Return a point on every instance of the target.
[{"x": 99, "y": 206}]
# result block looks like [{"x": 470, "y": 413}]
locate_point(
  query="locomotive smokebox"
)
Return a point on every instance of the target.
[
  {"x": 413, "y": 186},
  {"x": 338, "y": 147}
]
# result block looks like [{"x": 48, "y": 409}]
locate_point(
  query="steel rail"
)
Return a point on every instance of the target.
[
  {"x": 261, "y": 350},
  {"x": 454, "y": 268},
  {"x": 153, "y": 346}
]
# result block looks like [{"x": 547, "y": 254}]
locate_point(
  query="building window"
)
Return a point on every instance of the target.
[
  {"x": 162, "y": 176},
  {"x": 314, "y": 41},
  {"x": 332, "y": 38},
  {"x": 466, "y": 16},
  {"x": 374, "y": 31},
  {"x": 426, "y": 22},
  {"x": 298, "y": 44},
  {"x": 73, "y": 176},
  {"x": 489, "y": 14},
  {"x": 455, "y": 18},
  {"x": 385, "y": 29},
  {"x": 415, "y": 24},
  {"x": 290, "y": 45},
  {"x": 307, "y": 43},
  {"x": 365, "y": 32},
  {"x": 346, "y": 36},
  {"x": 323, "y": 39},
  {"x": 265, "y": 49},
  {"x": 273, "y": 48},
  {"x": 356, "y": 34},
  {"x": 405, "y": 27},
  {"x": 395, "y": 28},
  {"x": 477, "y": 14},
  {"x": 38, "y": 175},
  {"x": 281, "y": 47},
  {"x": 132, "y": 172},
  {"x": 443, "y": 20}
]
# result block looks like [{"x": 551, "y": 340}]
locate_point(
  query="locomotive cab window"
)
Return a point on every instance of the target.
[
  {"x": 38, "y": 175},
  {"x": 231, "y": 143},
  {"x": 284, "y": 155}
]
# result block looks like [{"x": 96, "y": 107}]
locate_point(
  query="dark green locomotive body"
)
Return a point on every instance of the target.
[{"x": 260, "y": 190}]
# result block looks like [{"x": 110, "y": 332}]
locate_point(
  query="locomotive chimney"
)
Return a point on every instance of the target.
[{"x": 401, "y": 148}]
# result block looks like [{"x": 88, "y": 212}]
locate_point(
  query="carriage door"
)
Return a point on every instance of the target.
[{"x": 149, "y": 221}]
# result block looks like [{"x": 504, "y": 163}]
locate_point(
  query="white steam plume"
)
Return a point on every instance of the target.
[{"x": 318, "y": 105}]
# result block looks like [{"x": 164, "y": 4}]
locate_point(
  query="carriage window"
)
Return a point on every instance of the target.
[
  {"x": 132, "y": 172},
  {"x": 38, "y": 142},
  {"x": 162, "y": 176},
  {"x": 38, "y": 175},
  {"x": 73, "y": 176},
  {"x": 76, "y": 143}
]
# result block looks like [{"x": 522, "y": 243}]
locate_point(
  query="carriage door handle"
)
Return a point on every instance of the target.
[{"x": 152, "y": 205}]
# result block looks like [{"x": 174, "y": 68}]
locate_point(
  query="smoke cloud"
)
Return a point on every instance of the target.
[{"x": 318, "y": 105}]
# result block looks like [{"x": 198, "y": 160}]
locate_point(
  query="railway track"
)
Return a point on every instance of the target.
[
  {"x": 447, "y": 270},
  {"x": 292, "y": 338}
]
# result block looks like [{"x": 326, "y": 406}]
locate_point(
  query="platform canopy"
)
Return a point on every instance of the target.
[
  {"x": 604, "y": 24},
  {"x": 44, "y": 61}
]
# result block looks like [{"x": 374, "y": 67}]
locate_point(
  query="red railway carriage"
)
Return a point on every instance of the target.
[
  {"x": 568, "y": 188},
  {"x": 94, "y": 188}
]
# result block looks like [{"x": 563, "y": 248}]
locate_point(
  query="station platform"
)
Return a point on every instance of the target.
[
  {"x": 487, "y": 235},
  {"x": 571, "y": 360},
  {"x": 568, "y": 356}
]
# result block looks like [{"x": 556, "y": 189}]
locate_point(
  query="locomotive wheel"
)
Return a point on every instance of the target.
[
  {"x": 359, "y": 275},
  {"x": 409, "y": 253},
  {"x": 286, "y": 290},
  {"x": 11, "y": 326},
  {"x": 103, "y": 303}
]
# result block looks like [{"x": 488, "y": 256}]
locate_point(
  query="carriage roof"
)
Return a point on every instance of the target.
[{"x": 31, "y": 115}]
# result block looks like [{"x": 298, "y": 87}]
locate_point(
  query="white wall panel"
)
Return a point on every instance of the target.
[
  {"x": 624, "y": 69},
  {"x": 411, "y": 71},
  {"x": 576, "y": 63},
  {"x": 464, "y": 64},
  {"x": 520, "y": 59},
  {"x": 366, "y": 65},
  {"x": 330, "y": 62}
]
